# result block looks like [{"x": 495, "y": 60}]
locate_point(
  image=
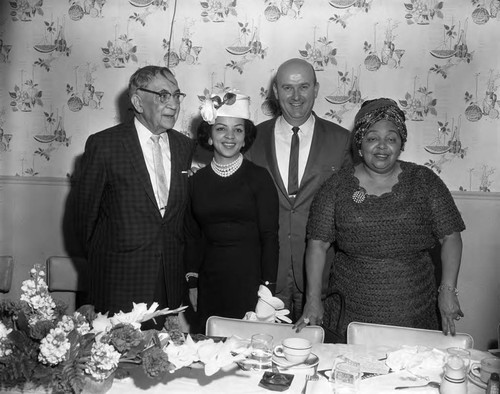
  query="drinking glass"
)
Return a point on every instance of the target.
[
  {"x": 464, "y": 354},
  {"x": 262, "y": 351}
]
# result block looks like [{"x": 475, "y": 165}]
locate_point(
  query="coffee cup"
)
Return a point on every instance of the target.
[
  {"x": 294, "y": 350},
  {"x": 484, "y": 369}
]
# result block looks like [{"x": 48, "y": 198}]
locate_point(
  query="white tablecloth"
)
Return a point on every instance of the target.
[{"x": 233, "y": 380}]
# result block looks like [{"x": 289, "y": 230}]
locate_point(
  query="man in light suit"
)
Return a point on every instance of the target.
[
  {"x": 131, "y": 196},
  {"x": 323, "y": 147}
]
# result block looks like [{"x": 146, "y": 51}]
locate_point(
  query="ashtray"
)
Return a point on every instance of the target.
[{"x": 276, "y": 381}]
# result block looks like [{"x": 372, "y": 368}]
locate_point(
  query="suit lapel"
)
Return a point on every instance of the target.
[
  {"x": 174, "y": 169},
  {"x": 315, "y": 152},
  {"x": 270, "y": 149},
  {"x": 133, "y": 147}
]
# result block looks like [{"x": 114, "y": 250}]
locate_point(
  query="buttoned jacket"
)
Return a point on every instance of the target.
[
  {"x": 330, "y": 149},
  {"x": 126, "y": 239}
]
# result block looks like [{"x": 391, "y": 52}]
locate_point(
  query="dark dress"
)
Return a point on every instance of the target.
[
  {"x": 231, "y": 238},
  {"x": 383, "y": 265}
]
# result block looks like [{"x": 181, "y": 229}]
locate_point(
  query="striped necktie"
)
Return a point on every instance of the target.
[{"x": 161, "y": 178}]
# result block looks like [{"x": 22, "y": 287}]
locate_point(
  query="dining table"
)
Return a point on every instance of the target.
[{"x": 232, "y": 379}]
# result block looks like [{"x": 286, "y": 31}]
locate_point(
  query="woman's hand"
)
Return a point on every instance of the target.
[
  {"x": 450, "y": 310},
  {"x": 451, "y": 256},
  {"x": 193, "y": 298},
  {"x": 315, "y": 263},
  {"x": 312, "y": 314}
]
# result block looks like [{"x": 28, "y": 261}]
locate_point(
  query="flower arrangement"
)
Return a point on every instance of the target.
[{"x": 40, "y": 346}]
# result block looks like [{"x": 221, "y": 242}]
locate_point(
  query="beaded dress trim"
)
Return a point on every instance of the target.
[{"x": 225, "y": 170}]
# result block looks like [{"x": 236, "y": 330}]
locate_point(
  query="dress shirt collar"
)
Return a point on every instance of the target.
[
  {"x": 144, "y": 134},
  {"x": 306, "y": 129}
]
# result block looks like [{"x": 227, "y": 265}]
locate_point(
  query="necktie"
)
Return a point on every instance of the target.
[
  {"x": 293, "y": 166},
  {"x": 161, "y": 178}
]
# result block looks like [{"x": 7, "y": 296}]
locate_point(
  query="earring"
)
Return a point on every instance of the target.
[
  {"x": 210, "y": 142},
  {"x": 360, "y": 153}
]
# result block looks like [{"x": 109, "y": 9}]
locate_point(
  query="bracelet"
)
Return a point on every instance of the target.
[
  {"x": 191, "y": 274},
  {"x": 443, "y": 286}
]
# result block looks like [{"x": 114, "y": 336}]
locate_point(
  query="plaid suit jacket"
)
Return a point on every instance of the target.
[{"x": 124, "y": 235}]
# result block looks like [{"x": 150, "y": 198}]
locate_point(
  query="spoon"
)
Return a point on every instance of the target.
[{"x": 435, "y": 385}]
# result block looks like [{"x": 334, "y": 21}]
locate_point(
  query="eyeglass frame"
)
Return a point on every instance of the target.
[{"x": 165, "y": 93}]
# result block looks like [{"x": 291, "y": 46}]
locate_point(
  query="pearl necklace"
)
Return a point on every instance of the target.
[{"x": 225, "y": 170}]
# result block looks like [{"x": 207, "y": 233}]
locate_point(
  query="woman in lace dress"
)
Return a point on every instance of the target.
[
  {"x": 384, "y": 214},
  {"x": 232, "y": 219}
]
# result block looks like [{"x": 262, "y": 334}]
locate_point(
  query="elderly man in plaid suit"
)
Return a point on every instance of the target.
[{"x": 131, "y": 193}]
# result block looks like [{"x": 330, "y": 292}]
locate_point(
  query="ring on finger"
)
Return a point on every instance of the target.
[{"x": 306, "y": 320}]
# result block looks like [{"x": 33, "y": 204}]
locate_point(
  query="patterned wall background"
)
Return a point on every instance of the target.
[{"x": 65, "y": 65}]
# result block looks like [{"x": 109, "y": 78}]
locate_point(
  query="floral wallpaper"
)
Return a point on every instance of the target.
[{"x": 65, "y": 67}]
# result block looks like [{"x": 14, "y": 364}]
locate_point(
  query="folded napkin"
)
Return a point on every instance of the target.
[
  {"x": 268, "y": 308},
  {"x": 416, "y": 359}
]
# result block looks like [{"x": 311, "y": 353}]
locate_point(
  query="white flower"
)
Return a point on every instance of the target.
[
  {"x": 36, "y": 295},
  {"x": 66, "y": 324},
  {"x": 140, "y": 313},
  {"x": 208, "y": 111},
  {"x": 54, "y": 347},
  {"x": 183, "y": 355},
  {"x": 103, "y": 361},
  {"x": 101, "y": 324},
  {"x": 5, "y": 349},
  {"x": 4, "y": 331},
  {"x": 81, "y": 324},
  {"x": 135, "y": 316}
]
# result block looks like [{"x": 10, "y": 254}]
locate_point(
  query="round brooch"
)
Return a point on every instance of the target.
[{"x": 358, "y": 196}]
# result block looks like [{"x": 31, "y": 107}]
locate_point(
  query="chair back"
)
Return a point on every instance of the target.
[
  {"x": 379, "y": 334},
  {"x": 67, "y": 275},
  {"x": 336, "y": 334},
  {"x": 6, "y": 269},
  {"x": 226, "y": 327}
]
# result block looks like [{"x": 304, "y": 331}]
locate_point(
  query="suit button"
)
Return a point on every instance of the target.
[{"x": 293, "y": 210}]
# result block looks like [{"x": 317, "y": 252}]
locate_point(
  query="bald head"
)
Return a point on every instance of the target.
[
  {"x": 296, "y": 88},
  {"x": 295, "y": 65}
]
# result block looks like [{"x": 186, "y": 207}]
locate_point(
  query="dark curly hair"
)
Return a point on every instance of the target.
[{"x": 204, "y": 132}]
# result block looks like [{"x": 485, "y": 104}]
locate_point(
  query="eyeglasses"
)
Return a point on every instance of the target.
[{"x": 165, "y": 95}]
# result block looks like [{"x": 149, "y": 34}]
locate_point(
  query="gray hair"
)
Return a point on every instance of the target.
[{"x": 143, "y": 76}]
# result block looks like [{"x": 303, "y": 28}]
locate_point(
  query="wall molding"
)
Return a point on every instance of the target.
[
  {"x": 60, "y": 181},
  {"x": 459, "y": 195},
  {"x": 24, "y": 180}
]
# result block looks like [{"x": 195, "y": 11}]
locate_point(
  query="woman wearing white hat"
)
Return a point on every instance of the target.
[{"x": 232, "y": 216}]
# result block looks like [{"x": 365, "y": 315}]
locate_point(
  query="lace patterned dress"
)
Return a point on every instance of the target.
[{"x": 382, "y": 264}]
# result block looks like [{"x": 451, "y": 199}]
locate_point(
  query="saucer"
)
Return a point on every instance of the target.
[
  {"x": 282, "y": 362},
  {"x": 476, "y": 381}
]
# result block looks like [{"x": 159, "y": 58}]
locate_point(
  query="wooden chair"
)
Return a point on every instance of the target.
[
  {"x": 67, "y": 275},
  {"x": 379, "y": 334},
  {"x": 226, "y": 327},
  {"x": 6, "y": 269}
]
